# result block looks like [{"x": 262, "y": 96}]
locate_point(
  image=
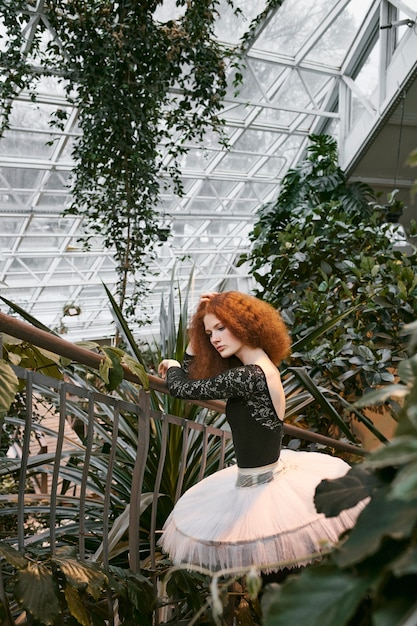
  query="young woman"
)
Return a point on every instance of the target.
[{"x": 259, "y": 512}]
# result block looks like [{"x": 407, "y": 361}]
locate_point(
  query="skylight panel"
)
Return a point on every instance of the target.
[
  {"x": 338, "y": 36},
  {"x": 292, "y": 25},
  {"x": 231, "y": 27}
]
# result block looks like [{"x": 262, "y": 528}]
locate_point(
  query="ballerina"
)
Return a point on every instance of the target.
[{"x": 259, "y": 512}]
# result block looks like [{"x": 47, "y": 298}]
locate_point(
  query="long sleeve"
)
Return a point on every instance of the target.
[{"x": 239, "y": 382}]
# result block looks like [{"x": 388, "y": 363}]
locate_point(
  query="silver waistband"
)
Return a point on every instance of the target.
[{"x": 250, "y": 477}]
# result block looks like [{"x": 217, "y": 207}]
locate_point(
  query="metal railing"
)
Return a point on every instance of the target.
[{"x": 82, "y": 500}]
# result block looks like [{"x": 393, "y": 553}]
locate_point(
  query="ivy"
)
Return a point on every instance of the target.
[{"x": 143, "y": 89}]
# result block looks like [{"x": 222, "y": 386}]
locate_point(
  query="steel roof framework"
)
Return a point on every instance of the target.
[{"x": 306, "y": 72}]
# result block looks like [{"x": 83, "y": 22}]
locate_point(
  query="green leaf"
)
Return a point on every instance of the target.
[
  {"x": 14, "y": 359},
  {"x": 334, "y": 496},
  {"x": 81, "y": 576},
  {"x": 124, "y": 327},
  {"x": 104, "y": 369},
  {"x": 407, "y": 369},
  {"x": 137, "y": 369},
  {"x": 320, "y": 596},
  {"x": 121, "y": 526},
  {"x": 379, "y": 396},
  {"x": 397, "y": 605},
  {"x": 140, "y": 594},
  {"x": 322, "y": 329},
  {"x": 406, "y": 563},
  {"x": 26, "y": 316},
  {"x": 46, "y": 362},
  {"x": 380, "y": 519},
  {"x": 36, "y": 590},
  {"x": 111, "y": 368},
  {"x": 8, "y": 388},
  {"x": 404, "y": 485},
  {"x": 12, "y": 556},
  {"x": 186, "y": 584},
  {"x": 34, "y": 358},
  {"x": 76, "y": 606},
  {"x": 397, "y": 452}
]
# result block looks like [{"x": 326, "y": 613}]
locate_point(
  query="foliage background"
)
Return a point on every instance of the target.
[{"x": 325, "y": 248}]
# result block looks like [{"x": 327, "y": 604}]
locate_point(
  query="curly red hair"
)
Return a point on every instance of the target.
[{"x": 254, "y": 322}]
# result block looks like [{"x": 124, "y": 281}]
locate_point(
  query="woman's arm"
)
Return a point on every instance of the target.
[{"x": 242, "y": 381}]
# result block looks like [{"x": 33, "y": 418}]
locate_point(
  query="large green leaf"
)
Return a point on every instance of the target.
[
  {"x": 185, "y": 584},
  {"x": 404, "y": 485},
  {"x": 334, "y": 496},
  {"x": 140, "y": 593},
  {"x": 321, "y": 596},
  {"x": 352, "y": 410},
  {"x": 399, "y": 451},
  {"x": 379, "y": 396},
  {"x": 37, "y": 359},
  {"x": 36, "y": 590},
  {"x": 110, "y": 368},
  {"x": 309, "y": 338},
  {"x": 397, "y": 605},
  {"x": 123, "y": 327},
  {"x": 8, "y": 387},
  {"x": 380, "y": 519},
  {"x": 137, "y": 369},
  {"x": 27, "y": 316},
  {"x": 406, "y": 563}
]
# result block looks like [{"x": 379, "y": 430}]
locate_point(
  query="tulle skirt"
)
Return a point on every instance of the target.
[{"x": 263, "y": 517}]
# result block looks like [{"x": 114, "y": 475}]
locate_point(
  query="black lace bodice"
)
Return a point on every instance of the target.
[{"x": 256, "y": 427}]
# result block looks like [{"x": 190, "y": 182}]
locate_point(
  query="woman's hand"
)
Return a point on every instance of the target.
[
  {"x": 165, "y": 364},
  {"x": 205, "y": 297}
]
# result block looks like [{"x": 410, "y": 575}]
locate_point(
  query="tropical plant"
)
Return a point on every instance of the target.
[
  {"x": 371, "y": 577},
  {"x": 324, "y": 248}
]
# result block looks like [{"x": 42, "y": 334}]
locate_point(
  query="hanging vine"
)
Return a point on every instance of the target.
[{"x": 138, "y": 84}]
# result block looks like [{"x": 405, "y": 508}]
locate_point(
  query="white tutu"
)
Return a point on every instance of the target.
[{"x": 218, "y": 524}]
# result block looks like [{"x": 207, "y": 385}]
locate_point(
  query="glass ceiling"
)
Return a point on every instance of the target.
[{"x": 313, "y": 67}]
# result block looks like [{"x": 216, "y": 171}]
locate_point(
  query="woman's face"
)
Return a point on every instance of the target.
[{"x": 221, "y": 338}]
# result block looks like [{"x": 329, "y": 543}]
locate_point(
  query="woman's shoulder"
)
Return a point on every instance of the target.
[{"x": 251, "y": 372}]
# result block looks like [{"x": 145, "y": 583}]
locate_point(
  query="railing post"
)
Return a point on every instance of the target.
[
  {"x": 137, "y": 479},
  {"x": 22, "y": 473}
]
